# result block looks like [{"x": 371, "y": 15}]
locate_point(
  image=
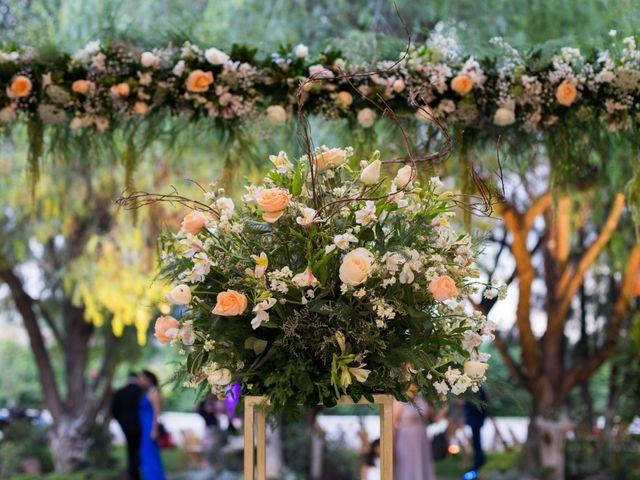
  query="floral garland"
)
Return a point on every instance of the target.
[
  {"x": 332, "y": 278},
  {"x": 107, "y": 83}
]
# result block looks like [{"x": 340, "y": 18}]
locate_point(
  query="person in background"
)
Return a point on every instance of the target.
[
  {"x": 149, "y": 411},
  {"x": 208, "y": 410},
  {"x": 124, "y": 409},
  {"x": 476, "y": 413},
  {"x": 413, "y": 455}
]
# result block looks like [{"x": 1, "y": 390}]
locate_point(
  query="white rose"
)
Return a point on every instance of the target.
[
  {"x": 371, "y": 173},
  {"x": 225, "y": 205},
  {"x": 475, "y": 369},
  {"x": 180, "y": 295},
  {"x": 276, "y": 114},
  {"x": 149, "y": 60},
  {"x": 220, "y": 377},
  {"x": 301, "y": 51},
  {"x": 178, "y": 69},
  {"x": 366, "y": 117},
  {"x": 215, "y": 56},
  {"x": 356, "y": 266},
  {"x": 405, "y": 177},
  {"x": 398, "y": 85},
  {"x": 504, "y": 117},
  {"x": 320, "y": 71}
]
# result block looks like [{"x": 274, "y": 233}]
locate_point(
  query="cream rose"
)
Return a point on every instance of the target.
[
  {"x": 230, "y": 303},
  {"x": 199, "y": 81},
  {"x": 301, "y": 51},
  {"x": 149, "y": 60},
  {"x": 276, "y": 114},
  {"x": 121, "y": 90},
  {"x": 504, "y": 116},
  {"x": 366, "y": 117},
  {"x": 462, "y": 84},
  {"x": 82, "y": 86},
  {"x": 194, "y": 222},
  {"x": 215, "y": 56},
  {"x": 273, "y": 201},
  {"x": 220, "y": 377},
  {"x": 371, "y": 173},
  {"x": 21, "y": 86},
  {"x": 166, "y": 328},
  {"x": 405, "y": 177},
  {"x": 330, "y": 159},
  {"x": 566, "y": 93},
  {"x": 179, "y": 295},
  {"x": 356, "y": 266},
  {"x": 344, "y": 99},
  {"x": 475, "y": 369},
  {"x": 141, "y": 108},
  {"x": 442, "y": 288}
]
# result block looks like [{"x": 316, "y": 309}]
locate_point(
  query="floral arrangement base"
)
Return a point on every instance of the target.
[{"x": 255, "y": 435}]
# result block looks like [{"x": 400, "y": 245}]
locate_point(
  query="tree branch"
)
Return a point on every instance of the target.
[
  {"x": 581, "y": 372},
  {"x": 25, "y": 305},
  {"x": 519, "y": 225},
  {"x": 563, "y": 242},
  {"x": 512, "y": 366},
  {"x": 572, "y": 279}
]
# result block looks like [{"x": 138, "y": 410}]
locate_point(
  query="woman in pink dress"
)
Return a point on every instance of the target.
[{"x": 413, "y": 456}]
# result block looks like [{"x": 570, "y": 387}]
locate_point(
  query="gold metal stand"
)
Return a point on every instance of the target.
[{"x": 257, "y": 470}]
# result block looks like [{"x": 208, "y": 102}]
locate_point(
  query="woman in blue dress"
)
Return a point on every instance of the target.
[{"x": 149, "y": 409}]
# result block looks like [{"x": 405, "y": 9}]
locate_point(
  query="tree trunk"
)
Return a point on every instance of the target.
[{"x": 69, "y": 442}]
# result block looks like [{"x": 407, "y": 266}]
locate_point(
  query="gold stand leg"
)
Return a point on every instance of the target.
[{"x": 253, "y": 419}]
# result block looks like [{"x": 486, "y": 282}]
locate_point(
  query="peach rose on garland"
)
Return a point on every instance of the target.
[
  {"x": 230, "y": 303},
  {"x": 121, "y": 90},
  {"x": 199, "y": 81},
  {"x": 273, "y": 201},
  {"x": 330, "y": 159},
  {"x": 566, "y": 93},
  {"x": 443, "y": 288},
  {"x": 166, "y": 328},
  {"x": 194, "y": 222},
  {"x": 21, "y": 86},
  {"x": 81, "y": 86},
  {"x": 462, "y": 84},
  {"x": 141, "y": 108}
]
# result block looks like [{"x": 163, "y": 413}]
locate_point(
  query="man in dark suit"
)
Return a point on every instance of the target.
[
  {"x": 125, "y": 410},
  {"x": 476, "y": 413}
]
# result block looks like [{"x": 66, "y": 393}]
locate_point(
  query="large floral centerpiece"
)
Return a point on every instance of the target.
[{"x": 332, "y": 277}]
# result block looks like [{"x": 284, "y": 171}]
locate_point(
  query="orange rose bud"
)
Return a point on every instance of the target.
[
  {"x": 230, "y": 304},
  {"x": 194, "y": 222},
  {"x": 166, "y": 328},
  {"x": 21, "y": 86},
  {"x": 462, "y": 84},
  {"x": 443, "y": 288},
  {"x": 566, "y": 93}
]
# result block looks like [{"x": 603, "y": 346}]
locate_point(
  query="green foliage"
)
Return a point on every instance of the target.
[
  {"x": 22, "y": 440},
  {"x": 19, "y": 385}
]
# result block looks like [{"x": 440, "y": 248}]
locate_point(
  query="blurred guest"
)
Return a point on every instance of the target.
[
  {"x": 371, "y": 467},
  {"x": 413, "y": 455},
  {"x": 476, "y": 413},
  {"x": 208, "y": 409},
  {"x": 149, "y": 411},
  {"x": 125, "y": 410}
]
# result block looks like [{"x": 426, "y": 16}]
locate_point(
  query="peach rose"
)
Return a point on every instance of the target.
[
  {"x": 566, "y": 93},
  {"x": 141, "y": 108},
  {"x": 194, "y": 222},
  {"x": 199, "y": 81},
  {"x": 356, "y": 266},
  {"x": 21, "y": 86},
  {"x": 462, "y": 84},
  {"x": 166, "y": 329},
  {"x": 344, "y": 99},
  {"x": 230, "y": 304},
  {"x": 81, "y": 86},
  {"x": 273, "y": 201},
  {"x": 330, "y": 159},
  {"x": 443, "y": 288},
  {"x": 121, "y": 90}
]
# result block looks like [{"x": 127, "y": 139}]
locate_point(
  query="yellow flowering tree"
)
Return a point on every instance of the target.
[{"x": 79, "y": 272}]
